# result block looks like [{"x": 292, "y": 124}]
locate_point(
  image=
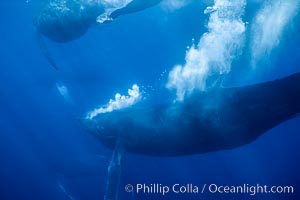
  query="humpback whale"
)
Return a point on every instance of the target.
[
  {"x": 217, "y": 119},
  {"x": 67, "y": 20}
]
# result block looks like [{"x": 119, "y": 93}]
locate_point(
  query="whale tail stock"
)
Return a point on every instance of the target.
[
  {"x": 262, "y": 106},
  {"x": 281, "y": 96}
]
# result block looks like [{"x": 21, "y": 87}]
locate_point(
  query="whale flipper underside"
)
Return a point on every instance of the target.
[
  {"x": 217, "y": 119},
  {"x": 134, "y": 6}
]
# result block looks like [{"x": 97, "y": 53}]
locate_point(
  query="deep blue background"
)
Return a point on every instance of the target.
[{"x": 43, "y": 144}]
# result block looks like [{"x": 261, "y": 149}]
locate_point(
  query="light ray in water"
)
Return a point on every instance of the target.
[{"x": 64, "y": 190}]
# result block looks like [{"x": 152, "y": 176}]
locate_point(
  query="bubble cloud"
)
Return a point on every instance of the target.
[
  {"x": 269, "y": 24},
  {"x": 215, "y": 51},
  {"x": 120, "y": 102}
]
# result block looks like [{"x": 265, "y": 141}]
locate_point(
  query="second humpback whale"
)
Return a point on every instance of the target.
[
  {"x": 217, "y": 119},
  {"x": 67, "y": 20}
]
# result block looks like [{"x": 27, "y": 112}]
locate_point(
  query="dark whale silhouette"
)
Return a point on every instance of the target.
[
  {"x": 217, "y": 119},
  {"x": 64, "y": 21},
  {"x": 67, "y": 20}
]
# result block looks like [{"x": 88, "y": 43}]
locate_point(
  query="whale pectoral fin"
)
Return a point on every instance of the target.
[
  {"x": 43, "y": 47},
  {"x": 114, "y": 174},
  {"x": 134, "y": 6}
]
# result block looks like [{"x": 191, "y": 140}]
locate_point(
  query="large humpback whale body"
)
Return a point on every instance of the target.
[
  {"x": 67, "y": 20},
  {"x": 217, "y": 119}
]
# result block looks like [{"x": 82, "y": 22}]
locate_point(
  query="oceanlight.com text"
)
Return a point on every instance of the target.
[
  {"x": 250, "y": 189},
  {"x": 163, "y": 189}
]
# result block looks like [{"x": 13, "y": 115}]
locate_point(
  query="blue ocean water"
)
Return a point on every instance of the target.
[{"x": 47, "y": 153}]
